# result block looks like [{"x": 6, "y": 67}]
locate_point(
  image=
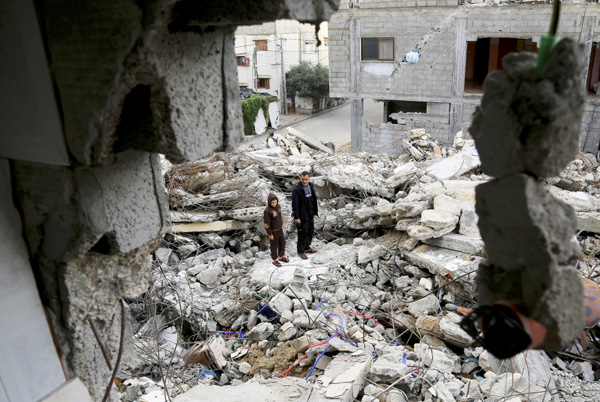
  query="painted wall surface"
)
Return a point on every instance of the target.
[{"x": 430, "y": 26}]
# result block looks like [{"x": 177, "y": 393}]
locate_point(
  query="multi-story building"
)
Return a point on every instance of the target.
[
  {"x": 264, "y": 52},
  {"x": 458, "y": 43}
]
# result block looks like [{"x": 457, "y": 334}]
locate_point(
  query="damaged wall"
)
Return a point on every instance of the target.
[
  {"x": 440, "y": 32},
  {"x": 130, "y": 80}
]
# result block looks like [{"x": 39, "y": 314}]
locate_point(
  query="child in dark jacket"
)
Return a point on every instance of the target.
[{"x": 274, "y": 227}]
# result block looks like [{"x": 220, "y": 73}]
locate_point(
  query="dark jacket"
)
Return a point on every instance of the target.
[
  {"x": 299, "y": 207},
  {"x": 272, "y": 216}
]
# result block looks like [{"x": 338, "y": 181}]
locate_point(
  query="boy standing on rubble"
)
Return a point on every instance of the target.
[
  {"x": 274, "y": 227},
  {"x": 304, "y": 209}
]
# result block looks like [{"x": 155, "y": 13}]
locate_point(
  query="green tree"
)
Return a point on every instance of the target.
[{"x": 308, "y": 81}]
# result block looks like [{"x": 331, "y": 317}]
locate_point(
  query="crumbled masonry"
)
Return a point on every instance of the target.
[
  {"x": 526, "y": 129},
  {"x": 369, "y": 305}
]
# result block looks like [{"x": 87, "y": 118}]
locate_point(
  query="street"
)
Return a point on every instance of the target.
[{"x": 334, "y": 125}]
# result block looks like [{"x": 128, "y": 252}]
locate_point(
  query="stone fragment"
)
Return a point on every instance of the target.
[
  {"x": 409, "y": 209},
  {"x": 281, "y": 303},
  {"x": 420, "y": 232},
  {"x": 387, "y": 370},
  {"x": 424, "y": 306},
  {"x": 301, "y": 344},
  {"x": 287, "y": 331},
  {"x": 468, "y": 223},
  {"x": 438, "y": 220},
  {"x": 540, "y": 225},
  {"x": 366, "y": 254},
  {"x": 245, "y": 368},
  {"x": 448, "y": 204},
  {"x": 261, "y": 331},
  {"x": 456, "y": 165},
  {"x": 209, "y": 276}
]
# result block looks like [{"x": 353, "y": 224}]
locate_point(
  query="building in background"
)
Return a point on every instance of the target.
[
  {"x": 427, "y": 60},
  {"x": 264, "y": 52}
]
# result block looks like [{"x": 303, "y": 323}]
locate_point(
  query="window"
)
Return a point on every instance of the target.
[
  {"x": 377, "y": 49},
  {"x": 242, "y": 61},
  {"x": 309, "y": 46},
  {"x": 263, "y": 83},
  {"x": 594, "y": 70},
  {"x": 325, "y": 41},
  {"x": 260, "y": 45},
  {"x": 485, "y": 55}
]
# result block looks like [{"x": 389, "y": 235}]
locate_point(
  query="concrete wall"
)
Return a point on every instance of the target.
[
  {"x": 130, "y": 80},
  {"x": 440, "y": 29}
]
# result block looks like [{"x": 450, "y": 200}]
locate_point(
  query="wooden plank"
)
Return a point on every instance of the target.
[{"x": 216, "y": 226}]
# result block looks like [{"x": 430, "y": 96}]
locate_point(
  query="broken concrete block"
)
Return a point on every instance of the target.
[
  {"x": 209, "y": 276},
  {"x": 448, "y": 204},
  {"x": 301, "y": 344},
  {"x": 288, "y": 331},
  {"x": 456, "y": 165},
  {"x": 531, "y": 230},
  {"x": 420, "y": 232},
  {"x": 349, "y": 375},
  {"x": 457, "y": 242},
  {"x": 281, "y": 303},
  {"x": 402, "y": 174},
  {"x": 366, "y": 254},
  {"x": 245, "y": 368},
  {"x": 261, "y": 331},
  {"x": 425, "y": 306},
  {"x": 387, "y": 370},
  {"x": 452, "y": 333},
  {"x": 468, "y": 224},
  {"x": 438, "y": 220},
  {"x": 529, "y": 119},
  {"x": 409, "y": 209},
  {"x": 437, "y": 359}
]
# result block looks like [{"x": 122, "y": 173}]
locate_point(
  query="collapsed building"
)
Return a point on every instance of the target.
[
  {"x": 99, "y": 91},
  {"x": 373, "y": 314}
]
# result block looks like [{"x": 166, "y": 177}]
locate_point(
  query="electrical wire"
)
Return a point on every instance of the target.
[{"x": 317, "y": 361}]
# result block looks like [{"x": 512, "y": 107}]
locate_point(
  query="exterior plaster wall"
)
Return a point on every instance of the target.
[{"x": 432, "y": 27}]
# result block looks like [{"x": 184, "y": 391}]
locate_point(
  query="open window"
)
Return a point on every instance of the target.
[
  {"x": 485, "y": 55},
  {"x": 593, "y": 79},
  {"x": 242, "y": 61},
  {"x": 377, "y": 49}
]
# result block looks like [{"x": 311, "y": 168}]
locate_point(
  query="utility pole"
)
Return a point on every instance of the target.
[{"x": 283, "y": 88}]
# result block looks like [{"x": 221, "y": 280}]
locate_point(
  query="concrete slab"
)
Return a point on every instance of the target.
[
  {"x": 312, "y": 142},
  {"x": 458, "y": 242},
  {"x": 440, "y": 261},
  {"x": 456, "y": 165}
]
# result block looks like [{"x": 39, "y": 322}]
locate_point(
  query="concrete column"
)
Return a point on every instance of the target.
[
  {"x": 356, "y": 123},
  {"x": 357, "y": 103},
  {"x": 586, "y": 38},
  {"x": 458, "y": 78}
]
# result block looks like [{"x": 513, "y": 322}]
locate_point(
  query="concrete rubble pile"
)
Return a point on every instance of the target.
[{"x": 365, "y": 318}]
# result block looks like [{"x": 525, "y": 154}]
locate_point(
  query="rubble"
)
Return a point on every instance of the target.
[{"x": 364, "y": 317}]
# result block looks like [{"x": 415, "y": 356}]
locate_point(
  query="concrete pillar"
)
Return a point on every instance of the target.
[
  {"x": 357, "y": 103},
  {"x": 356, "y": 123},
  {"x": 527, "y": 232},
  {"x": 458, "y": 77}
]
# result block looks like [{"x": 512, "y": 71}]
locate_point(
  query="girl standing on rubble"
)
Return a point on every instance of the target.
[{"x": 274, "y": 227}]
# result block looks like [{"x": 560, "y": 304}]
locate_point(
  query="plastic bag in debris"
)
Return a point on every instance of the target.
[{"x": 268, "y": 312}]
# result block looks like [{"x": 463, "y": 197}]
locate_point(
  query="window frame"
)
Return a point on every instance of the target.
[
  {"x": 260, "y": 79},
  {"x": 378, "y": 38},
  {"x": 261, "y": 45},
  {"x": 241, "y": 64}
]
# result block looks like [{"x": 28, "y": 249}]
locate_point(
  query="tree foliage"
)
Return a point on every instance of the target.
[
  {"x": 308, "y": 81},
  {"x": 250, "y": 108}
]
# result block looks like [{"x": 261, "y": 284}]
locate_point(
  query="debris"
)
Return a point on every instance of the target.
[{"x": 395, "y": 244}]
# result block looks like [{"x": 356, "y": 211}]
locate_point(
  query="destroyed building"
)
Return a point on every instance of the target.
[
  {"x": 458, "y": 44},
  {"x": 95, "y": 290}
]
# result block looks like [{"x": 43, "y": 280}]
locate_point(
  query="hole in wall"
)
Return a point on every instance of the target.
[
  {"x": 103, "y": 246},
  {"x": 136, "y": 124}
]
